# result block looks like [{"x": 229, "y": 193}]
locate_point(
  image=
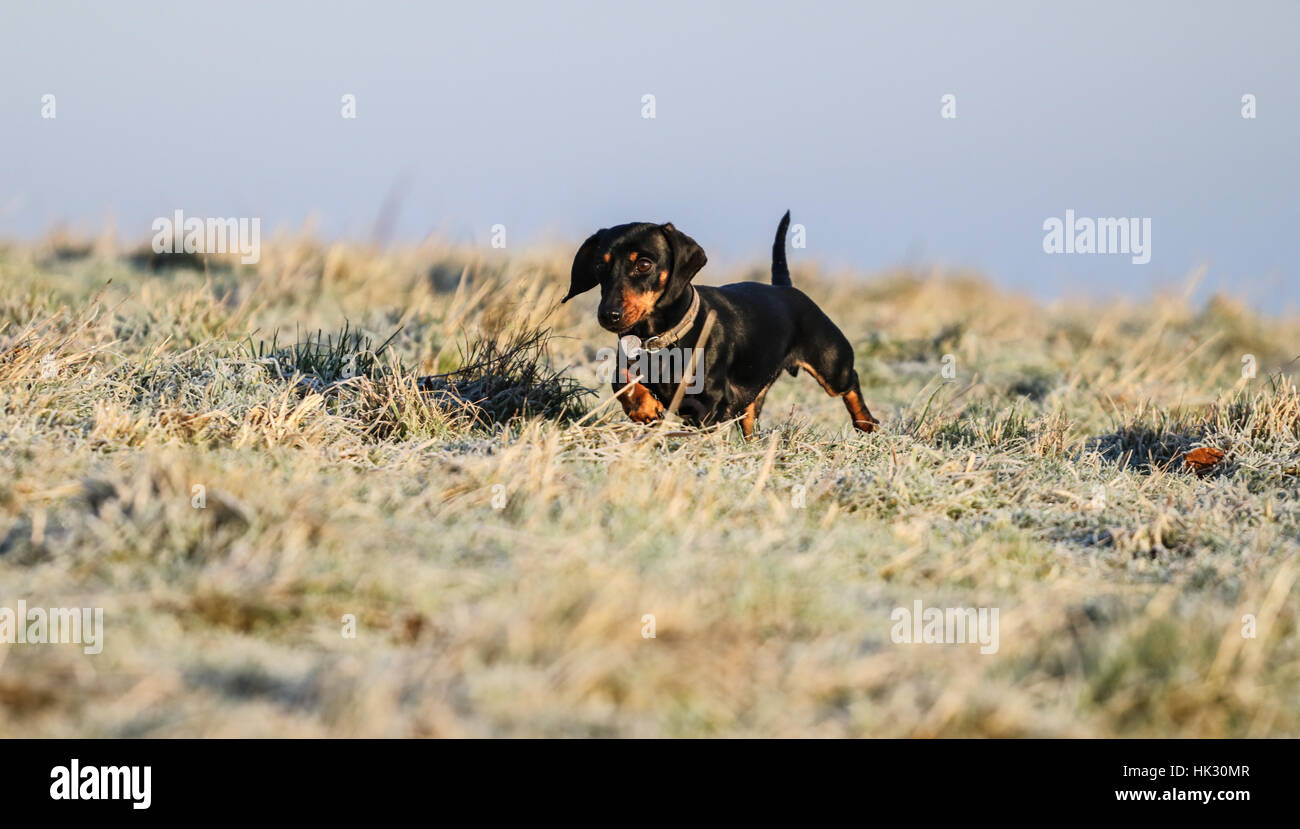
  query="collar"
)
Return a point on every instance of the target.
[{"x": 675, "y": 333}]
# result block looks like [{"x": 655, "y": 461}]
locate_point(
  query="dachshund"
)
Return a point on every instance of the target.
[{"x": 644, "y": 271}]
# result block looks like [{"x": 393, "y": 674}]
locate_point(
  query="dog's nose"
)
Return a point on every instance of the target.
[{"x": 612, "y": 316}]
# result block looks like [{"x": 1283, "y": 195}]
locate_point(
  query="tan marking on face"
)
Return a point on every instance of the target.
[
  {"x": 637, "y": 306},
  {"x": 640, "y": 405},
  {"x": 606, "y": 256},
  {"x": 632, "y": 256},
  {"x": 663, "y": 277}
]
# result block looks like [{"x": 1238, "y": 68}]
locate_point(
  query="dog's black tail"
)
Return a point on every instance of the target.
[{"x": 780, "y": 272}]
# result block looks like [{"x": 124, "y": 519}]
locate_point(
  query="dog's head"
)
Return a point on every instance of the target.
[{"x": 638, "y": 266}]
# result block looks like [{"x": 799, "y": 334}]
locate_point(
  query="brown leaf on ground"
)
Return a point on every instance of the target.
[{"x": 1202, "y": 459}]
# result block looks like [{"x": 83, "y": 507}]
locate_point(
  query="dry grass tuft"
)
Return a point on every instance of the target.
[{"x": 508, "y": 376}]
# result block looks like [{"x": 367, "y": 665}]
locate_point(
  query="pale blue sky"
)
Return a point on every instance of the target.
[{"x": 529, "y": 115}]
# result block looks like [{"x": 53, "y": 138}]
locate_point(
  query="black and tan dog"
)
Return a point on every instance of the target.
[{"x": 644, "y": 271}]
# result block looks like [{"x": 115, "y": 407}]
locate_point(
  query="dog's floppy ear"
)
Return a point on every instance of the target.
[
  {"x": 688, "y": 256},
  {"x": 588, "y": 268}
]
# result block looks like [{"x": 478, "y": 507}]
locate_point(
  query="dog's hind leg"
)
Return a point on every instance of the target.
[
  {"x": 751, "y": 413},
  {"x": 858, "y": 411},
  {"x": 831, "y": 365}
]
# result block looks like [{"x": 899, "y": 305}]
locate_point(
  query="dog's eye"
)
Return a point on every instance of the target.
[{"x": 643, "y": 266}]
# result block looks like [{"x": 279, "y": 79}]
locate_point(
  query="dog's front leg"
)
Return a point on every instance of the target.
[{"x": 638, "y": 403}]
